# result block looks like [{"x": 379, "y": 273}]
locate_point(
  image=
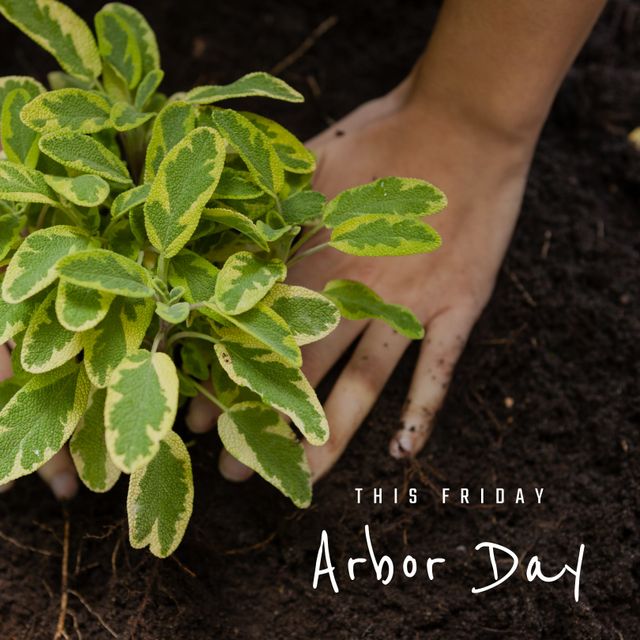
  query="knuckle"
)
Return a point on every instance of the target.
[{"x": 366, "y": 372}]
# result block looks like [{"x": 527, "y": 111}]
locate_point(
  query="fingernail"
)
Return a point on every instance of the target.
[
  {"x": 6, "y": 487},
  {"x": 233, "y": 470},
  {"x": 64, "y": 485},
  {"x": 401, "y": 445}
]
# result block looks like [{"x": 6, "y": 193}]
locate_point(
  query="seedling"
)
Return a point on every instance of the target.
[{"x": 144, "y": 247}]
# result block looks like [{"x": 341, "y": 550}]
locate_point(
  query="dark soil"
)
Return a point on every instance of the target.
[{"x": 560, "y": 338}]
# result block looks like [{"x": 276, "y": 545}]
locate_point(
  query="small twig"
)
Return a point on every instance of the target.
[
  {"x": 26, "y": 547},
  {"x": 76, "y": 625},
  {"x": 487, "y": 409},
  {"x": 145, "y": 600},
  {"x": 47, "y": 588},
  {"x": 94, "y": 613},
  {"x": 103, "y": 536},
  {"x": 546, "y": 245},
  {"x": 253, "y": 547},
  {"x": 520, "y": 287},
  {"x": 306, "y": 44},
  {"x": 64, "y": 580},
  {"x": 114, "y": 557},
  {"x": 184, "y": 567}
]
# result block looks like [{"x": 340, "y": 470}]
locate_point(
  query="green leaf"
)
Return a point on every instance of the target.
[
  {"x": 160, "y": 499},
  {"x": 236, "y": 220},
  {"x": 79, "y": 308},
  {"x": 174, "y": 122},
  {"x": 387, "y": 196},
  {"x": 89, "y": 449},
  {"x": 14, "y": 318},
  {"x": 253, "y": 147},
  {"x": 122, "y": 240},
  {"x": 271, "y": 330},
  {"x": 21, "y": 184},
  {"x": 61, "y": 80},
  {"x": 272, "y": 234},
  {"x": 20, "y": 143},
  {"x": 85, "y": 190},
  {"x": 107, "y": 271},
  {"x": 10, "y": 83},
  {"x": 68, "y": 111},
  {"x": 86, "y": 155},
  {"x": 47, "y": 344},
  {"x": 374, "y": 235},
  {"x": 259, "y": 84},
  {"x": 244, "y": 280},
  {"x": 194, "y": 361},
  {"x": 130, "y": 199},
  {"x": 309, "y": 315},
  {"x": 182, "y": 187},
  {"x": 33, "y": 266},
  {"x": 295, "y": 157},
  {"x": 195, "y": 274},
  {"x": 302, "y": 207},
  {"x": 226, "y": 389},
  {"x": 279, "y": 384},
  {"x": 147, "y": 88},
  {"x": 39, "y": 419},
  {"x": 236, "y": 185},
  {"x": 141, "y": 405},
  {"x": 125, "y": 117},
  {"x": 58, "y": 30},
  {"x": 10, "y": 227},
  {"x": 8, "y": 388},
  {"x": 358, "y": 302},
  {"x": 118, "y": 335},
  {"x": 118, "y": 45},
  {"x": 143, "y": 33},
  {"x": 114, "y": 86},
  {"x": 257, "y": 436},
  {"x": 173, "y": 313}
]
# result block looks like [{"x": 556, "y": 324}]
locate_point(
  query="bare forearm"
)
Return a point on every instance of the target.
[{"x": 503, "y": 60}]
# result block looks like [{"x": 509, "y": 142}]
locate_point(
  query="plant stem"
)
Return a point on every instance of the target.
[
  {"x": 160, "y": 337},
  {"x": 41, "y": 216},
  {"x": 208, "y": 395},
  {"x": 306, "y": 254},
  {"x": 191, "y": 334},
  {"x": 305, "y": 237},
  {"x": 162, "y": 268}
]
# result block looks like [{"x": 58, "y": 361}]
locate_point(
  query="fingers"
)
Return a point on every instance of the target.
[
  {"x": 5, "y": 363},
  {"x": 60, "y": 474},
  {"x": 318, "y": 359},
  {"x": 356, "y": 391},
  {"x": 232, "y": 469},
  {"x": 201, "y": 418},
  {"x": 446, "y": 337},
  {"x": 202, "y": 414}
]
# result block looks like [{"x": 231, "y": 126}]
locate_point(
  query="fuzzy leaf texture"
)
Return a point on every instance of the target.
[
  {"x": 145, "y": 242},
  {"x": 257, "y": 436}
]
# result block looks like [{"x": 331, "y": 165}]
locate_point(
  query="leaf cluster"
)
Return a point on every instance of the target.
[{"x": 144, "y": 248}]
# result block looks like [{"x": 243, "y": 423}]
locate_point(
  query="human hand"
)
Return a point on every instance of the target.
[{"x": 483, "y": 174}]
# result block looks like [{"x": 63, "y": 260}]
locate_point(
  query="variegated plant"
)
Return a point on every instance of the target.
[{"x": 144, "y": 246}]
